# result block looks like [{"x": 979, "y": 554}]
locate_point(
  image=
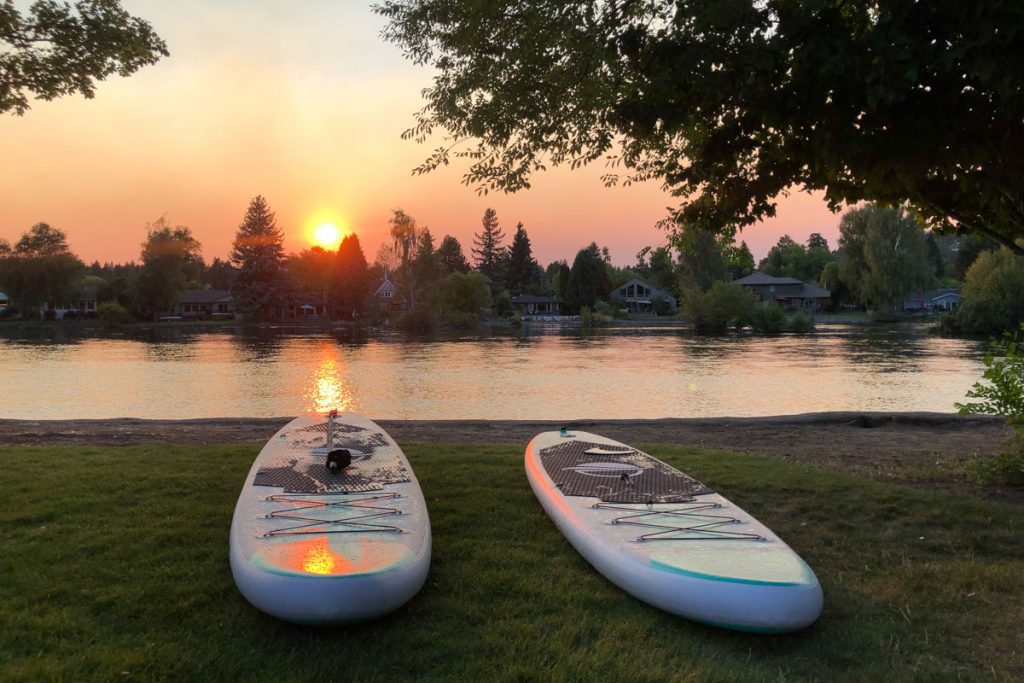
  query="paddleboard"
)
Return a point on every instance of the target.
[
  {"x": 320, "y": 543},
  {"x": 667, "y": 539}
]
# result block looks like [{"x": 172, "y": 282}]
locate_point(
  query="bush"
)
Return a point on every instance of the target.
[
  {"x": 418, "y": 319},
  {"x": 586, "y": 317},
  {"x": 770, "y": 319},
  {"x": 660, "y": 305},
  {"x": 503, "y": 303},
  {"x": 112, "y": 314},
  {"x": 1003, "y": 395},
  {"x": 721, "y": 307},
  {"x": 1007, "y": 469},
  {"x": 606, "y": 309},
  {"x": 799, "y": 323}
]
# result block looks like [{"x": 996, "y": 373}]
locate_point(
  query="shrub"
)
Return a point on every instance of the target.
[
  {"x": 112, "y": 314},
  {"x": 721, "y": 307},
  {"x": 1003, "y": 395},
  {"x": 799, "y": 323},
  {"x": 660, "y": 305},
  {"x": 770, "y": 319},
  {"x": 418, "y": 319},
  {"x": 586, "y": 317}
]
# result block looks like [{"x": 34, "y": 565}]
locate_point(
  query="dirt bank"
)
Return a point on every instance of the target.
[{"x": 863, "y": 441}]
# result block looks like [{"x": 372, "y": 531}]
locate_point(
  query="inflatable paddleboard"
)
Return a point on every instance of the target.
[
  {"x": 331, "y": 526},
  {"x": 667, "y": 539}
]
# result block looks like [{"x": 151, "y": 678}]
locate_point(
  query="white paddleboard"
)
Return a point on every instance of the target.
[
  {"x": 319, "y": 546},
  {"x": 666, "y": 539}
]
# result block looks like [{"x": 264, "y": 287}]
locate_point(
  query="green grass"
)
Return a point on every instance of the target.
[{"x": 114, "y": 566}]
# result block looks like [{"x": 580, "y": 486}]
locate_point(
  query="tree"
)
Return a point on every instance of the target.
[
  {"x": 258, "y": 252},
  {"x": 791, "y": 259},
  {"x": 702, "y": 256},
  {"x": 220, "y": 274},
  {"x": 351, "y": 288},
  {"x": 588, "y": 279},
  {"x": 404, "y": 240},
  {"x": 487, "y": 247},
  {"x": 992, "y": 300},
  {"x": 58, "y": 50},
  {"x": 521, "y": 266},
  {"x": 426, "y": 266},
  {"x": 170, "y": 260},
  {"x": 451, "y": 257},
  {"x": 460, "y": 297},
  {"x": 730, "y": 104},
  {"x": 883, "y": 256},
  {"x": 312, "y": 270},
  {"x": 40, "y": 270},
  {"x": 739, "y": 261}
]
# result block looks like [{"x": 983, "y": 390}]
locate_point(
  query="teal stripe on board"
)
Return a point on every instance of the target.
[{"x": 661, "y": 566}]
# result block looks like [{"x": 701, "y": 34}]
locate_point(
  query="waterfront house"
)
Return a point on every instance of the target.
[
  {"x": 205, "y": 304},
  {"x": 945, "y": 299},
  {"x": 307, "y": 305},
  {"x": 640, "y": 297},
  {"x": 788, "y": 292},
  {"x": 4, "y": 302},
  {"x": 532, "y": 304},
  {"x": 385, "y": 294}
]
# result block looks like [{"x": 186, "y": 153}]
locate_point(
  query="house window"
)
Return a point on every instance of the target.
[{"x": 630, "y": 291}]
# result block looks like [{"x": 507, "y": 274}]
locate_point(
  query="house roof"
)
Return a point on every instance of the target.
[
  {"x": 204, "y": 296},
  {"x": 379, "y": 285},
  {"x": 758, "y": 278},
  {"x": 934, "y": 294},
  {"x": 533, "y": 299},
  {"x": 809, "y": 291},
  {"x": 655, "y": 292}
]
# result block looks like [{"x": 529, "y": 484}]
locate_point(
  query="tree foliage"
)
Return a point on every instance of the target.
[
  {"x": 730, "y": 104},
  {"x": 58, "y": 49},
  {"x": 258, "y": 253},
  {"x": 451, "y": 257},
  {"x": 40, "y": 270},
  {"x": 350, "y": 290},
  {"x": 488, "y": 251},
  {"x": 789, "y": 258},
  {"x": 992, "y": 301},
  {"x": 883, "y": 256},
  {"x": 170, "y": 261},
  {"x": 521, "y": 266},
  {"x": 588, "y": 279}
]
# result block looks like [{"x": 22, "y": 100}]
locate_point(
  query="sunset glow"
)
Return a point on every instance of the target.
[
  {"x": 327, "y": 235},
  {"x": 328, "y": 150}
]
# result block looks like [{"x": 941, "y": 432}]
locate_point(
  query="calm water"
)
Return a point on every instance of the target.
[{"x": 538, "y": 374}]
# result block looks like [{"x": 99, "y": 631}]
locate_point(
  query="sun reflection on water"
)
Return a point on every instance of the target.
[{"x": 327, "y": 390}]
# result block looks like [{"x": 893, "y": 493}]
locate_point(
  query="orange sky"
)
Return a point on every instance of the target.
[{"x": 304, "y": 104}]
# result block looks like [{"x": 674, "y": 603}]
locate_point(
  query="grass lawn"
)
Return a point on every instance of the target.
[{"x": 114, "y": 566}]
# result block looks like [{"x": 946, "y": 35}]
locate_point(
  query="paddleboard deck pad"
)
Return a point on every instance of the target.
[
  {"x": 317, "y": 545},
  {"x": 668, "y": 539}
]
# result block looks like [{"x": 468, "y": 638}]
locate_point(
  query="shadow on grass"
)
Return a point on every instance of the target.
[{"x": 115, "y": 565}]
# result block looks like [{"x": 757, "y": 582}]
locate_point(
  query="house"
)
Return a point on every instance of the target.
[
  {"x": 4, "y": 302},
  {"x": 531, "y": 304},
  {"x": 945, "y": 299},
  {"x": 205, "y": 303},
  {"x": 385, "y": 294},
  {"x": 307, "y": 305},
  {"x": 788, "y": 292},
  {"x": 640, "y": 297}
]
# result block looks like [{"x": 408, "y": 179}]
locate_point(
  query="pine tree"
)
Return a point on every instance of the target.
[
  {"x": 258, "y": 252},
  {"x": 521, "y": 265},
  {"x": 351, "y": 279},
  {"x": 487, "y": 248},
  {"x": 451, "y": 257}
]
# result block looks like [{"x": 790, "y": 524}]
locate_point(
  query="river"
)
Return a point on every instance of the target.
[{"x": 536, "y": 373}]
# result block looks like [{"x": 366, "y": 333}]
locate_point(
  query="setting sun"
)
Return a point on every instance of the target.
[{"x": 327, "y": 235}]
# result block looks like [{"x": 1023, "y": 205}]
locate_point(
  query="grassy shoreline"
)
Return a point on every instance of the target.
[{"x": 115, "y": 566}]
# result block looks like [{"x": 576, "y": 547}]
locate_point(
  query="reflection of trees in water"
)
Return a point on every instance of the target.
[
  {"x": 887, "y": 348},
  {"x": 258, "y": 345}
]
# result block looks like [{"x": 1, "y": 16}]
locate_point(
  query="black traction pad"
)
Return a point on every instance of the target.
[
  {"x": 616, "y": 475},
  {"x": 306, "y": 471}
]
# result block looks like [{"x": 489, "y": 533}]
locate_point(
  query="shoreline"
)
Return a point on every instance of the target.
[{"x": 872, "y": 441}]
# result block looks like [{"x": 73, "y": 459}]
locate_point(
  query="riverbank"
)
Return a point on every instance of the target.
[{"x": 913, "y": 447}]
